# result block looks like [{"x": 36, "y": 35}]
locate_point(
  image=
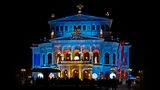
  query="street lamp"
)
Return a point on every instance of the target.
[
  {"x": 129, "y": 71},
  {"x": 23, "y": 70}
]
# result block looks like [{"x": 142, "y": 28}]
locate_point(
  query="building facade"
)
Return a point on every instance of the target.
[{"x": 81, "y": 46}]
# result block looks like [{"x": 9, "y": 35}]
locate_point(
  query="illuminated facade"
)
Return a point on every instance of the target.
[{"x": 81, "y": 46}]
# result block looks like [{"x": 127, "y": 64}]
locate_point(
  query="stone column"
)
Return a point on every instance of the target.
[
  {"x": 80, "y": 72},
  {"x": 90, "y": 72},
  {"x": 62, "y": 56},
  {"x": 69, "y": 71},
  {"x": 91, "y": 54},
  {"x": 46, "y": 58},
  {"x": 81, "y": 52},
  {"x": 71, "y": 52},
  {"x": 90, "y": 48},
  {"x": 81, "y": 48}
]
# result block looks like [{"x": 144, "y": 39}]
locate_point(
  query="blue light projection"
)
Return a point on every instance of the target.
[
  {"x": 36, "y": 59},
  {"x": 88, "y": 25},
  {"x": 78, "y": 35}
]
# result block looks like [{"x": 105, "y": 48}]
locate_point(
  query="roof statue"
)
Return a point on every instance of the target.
[
  {"x": 76, "y": 34},
  {"x": 80, "y": 6}
]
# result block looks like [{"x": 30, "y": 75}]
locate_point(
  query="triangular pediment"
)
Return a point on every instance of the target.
[{"x": 80, "y": 17}]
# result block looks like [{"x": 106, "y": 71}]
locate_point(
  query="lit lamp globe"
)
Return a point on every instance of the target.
[
  {"x": 76, "y": 58},
  {"x": 40, "y": 75},
  {"x": 23, "y": 70},
  {"x": 94, "y": 76},
  {"x": 51, "y": 75},
  {"x": 112, "y": 75}
]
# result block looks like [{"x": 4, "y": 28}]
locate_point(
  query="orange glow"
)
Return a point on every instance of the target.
[
  {"x": 85, "y": 51},
  {"x": 96, "y": 51},
  {"x": 76, "y": 51},
  {"x": 66, "y": 51}
]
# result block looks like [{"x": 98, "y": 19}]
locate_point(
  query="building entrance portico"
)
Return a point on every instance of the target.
[
  {"x": 78, "y": 70},
  {"x": 75, "y": 74}
]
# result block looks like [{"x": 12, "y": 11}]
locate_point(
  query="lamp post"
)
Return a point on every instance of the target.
[
  {"x": 129, "y": 71},
  {"x": 23, "y": 70}
]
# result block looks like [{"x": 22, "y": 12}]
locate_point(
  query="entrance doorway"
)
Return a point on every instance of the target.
[
  {"x": 75, "y": 74},
  {"x": 85, "y": 74}
]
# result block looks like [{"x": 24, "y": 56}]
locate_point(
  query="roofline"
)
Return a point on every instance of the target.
[{"x": 56, "y": 20}]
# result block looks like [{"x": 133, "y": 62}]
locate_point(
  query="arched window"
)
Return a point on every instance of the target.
[
  {"x": 96, "y": 56},
  {"x": 65, "y": 74},
  {"x": 84, "y": 27},
  {"x": 75, "y": 74},
  {"x": 67, "y": 55},
  {"x": 106, "y": 58},
  {"x": 85, "y": 74},
  {"x": 114, "y": 57},
  {"x": 76, "y": 54},
  {"x": 86, "y": 55},
  {"x": 49, "y": 58},
  {"x": 57, "y": 56}
]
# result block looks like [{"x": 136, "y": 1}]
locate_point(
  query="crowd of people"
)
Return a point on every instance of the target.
[{"x": 74, "y": 82}]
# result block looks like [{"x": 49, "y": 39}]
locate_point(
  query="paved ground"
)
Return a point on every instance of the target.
[
  {"x": 85, "y": 87},
  {"x": 122, "y": 87}
]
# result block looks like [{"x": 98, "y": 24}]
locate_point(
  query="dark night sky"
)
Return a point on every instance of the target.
[{"x": 32, "y": 24}]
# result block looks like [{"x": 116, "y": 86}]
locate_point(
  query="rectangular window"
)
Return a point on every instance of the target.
[
  {"x": 74, "y": 27},
  {"x": 84, "y": 27},
  {"x": 61, "y": 28},
  {"x": 106, "y": 58},
  {"x": 66, "y": 28},
  {"x": 114, "y": 58},
  {"x": 98, "y": 27},
  {"x": 79, "y": 27},
  {"x": 57, "y": 28},
  {"x": 93, "y": 27}
]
